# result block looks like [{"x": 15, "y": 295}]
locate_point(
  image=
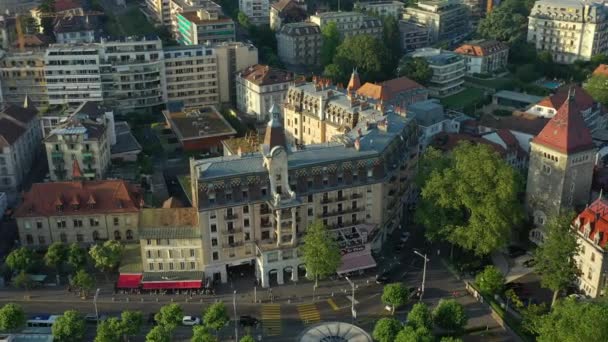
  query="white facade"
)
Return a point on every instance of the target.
[
  {"x": 349, "y": 23},
  {"x": 231, "y": 58},
  {"x": 448, "y": 70},
  {"x": 255, "y": 98},
  {"x": 382, "y": 8},
  {"x": 258, "y": 11}
]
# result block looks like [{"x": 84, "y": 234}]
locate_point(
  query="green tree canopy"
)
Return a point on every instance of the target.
[
  {"x": 12, "y": 317},
  {"x": 83, "y": 281},
  {"x": 77, "y": 256},
  {"x": 555, "y": 256},
  {"x": 110, "y": 330},
  {"x": 386, "y": 329},
  {"x": 23, "y": 281},
  {"x": 247, "y": 338},
  {"x": 159, "y": 333},
  {"x": 502, "y": 24},
  {"x": 106, "y": 256},
  {"x": 21, "y": 259},
  {"x": 216, "y": 316},
  {"x": 391, "y": 38},
  {"x": 365, "y": 53},
  {"x": 70, "y": 327},
  {"x": 132, "y": 322},
  {"x": 169, "y": 316},
  {"x": 450, "y": 339},
  {"x": 202, "y": 334},
  {"x": 490, "y": 280},
  {"x": 420, "y": 316},
  {"x": 450, "y": 315},
  {"x": 527, "y": 73},
  {"x": 331, "y": 41},
  {"x": 473, "y": 201},
  {"x": 55, "y": 255},
  {"x": 597, "y": 87},
  {"x": 411, "y": 334},
  {"x": 395, "y": 295},
  {"x": 243, "y": 20},
  {"x": 570, "y": 320},
  {"x": 416, "y": 68},
  {"x": 320, "y": 252}
]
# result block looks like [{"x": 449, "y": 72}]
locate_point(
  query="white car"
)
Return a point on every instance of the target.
[
  {"x": 404, "y": 236},
  {"x": 191, "y": 320}
]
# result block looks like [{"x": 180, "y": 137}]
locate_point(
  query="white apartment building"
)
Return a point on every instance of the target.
[
  {"x": 192, "y": 75},
  {"x": 381, "y": 8},
  {"x": 484, "y": 56},
  {"x": 258, "y": 11},
  {"x": 260, "y": 86},
  {"x": 446, "y": 20},
  {"x": 160, "y": 11},
  {"x": 448, "y": 70},
  {"x": 231, "y": 58},
  {"x": 73, "y": 73},
  {"x": 299, "y": 45},
  {"x": 569, "y": 29},
  {"x": 349, "y": 23},
  {"x": 21, "y": 75},
  {"x": 20, "y": 137}
]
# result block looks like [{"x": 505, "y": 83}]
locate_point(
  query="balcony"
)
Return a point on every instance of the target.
[
  {"x": 233, "y": 230},
  {"x": 229, "y": 217},
  {"x": 266, "y": 224},
  {"x": 58, "y": 160},
  {"x": 355, "y": 196},
  {"x": 87, "y": 157},
  {"x": 264, "y": 211},
  {"x": 233, "y": 244},
  {"x": 57, "y": 154}
]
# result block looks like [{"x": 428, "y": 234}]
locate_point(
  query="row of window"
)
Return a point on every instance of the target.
[
  {"x": 171, "y": 266},
  {"x": 170, "y": 253},
  {"x": 63, "y": 237}
]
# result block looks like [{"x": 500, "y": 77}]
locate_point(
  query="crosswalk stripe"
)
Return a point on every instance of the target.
[
  {"x": 333, "y": 304},
  {"x": 309, "y": 313},
  {"x": 271, "y": 319}
]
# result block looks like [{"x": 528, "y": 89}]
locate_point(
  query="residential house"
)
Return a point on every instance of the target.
[
  {"x": 287, "y": 11},
  {"x": 484, "y": 56},
  {"x": 299, "y": 45},
  {"x": 258, "y": 87}
]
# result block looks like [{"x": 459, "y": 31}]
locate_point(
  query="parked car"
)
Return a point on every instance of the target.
[
  {"x": 382, "y": 279},
  {"x": 191, "y": 320},
  {"x": 404, "y": 236},
  {"x": 93, "y": 318},
  {"x": 515, "y": 251},
  {"x": 414, "y": 293},
  {"x": 248, "y": 321}
]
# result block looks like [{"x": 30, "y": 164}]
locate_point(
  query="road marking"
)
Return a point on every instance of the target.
[
  {"x": 309, "y": 313},
  {"x": 333, "y": 305},
  {"x": 271, "y": 319},
  {"x": 350, "y": 298}
]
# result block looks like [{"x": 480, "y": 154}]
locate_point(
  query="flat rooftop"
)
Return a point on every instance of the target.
[{"x": 197, "y": 123}]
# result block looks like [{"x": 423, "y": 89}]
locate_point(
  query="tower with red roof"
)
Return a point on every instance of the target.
[{"x": 562, "y": 157}]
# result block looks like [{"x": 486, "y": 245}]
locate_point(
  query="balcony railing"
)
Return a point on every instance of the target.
[
  {"x": 233, "y": 244},
  {"x": 233, "y": 230},
  {"x": 230, "y": 216}
]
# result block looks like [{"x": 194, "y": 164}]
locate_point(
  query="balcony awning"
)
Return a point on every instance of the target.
[
  {"x": 186, "y": 284},
  {"x": 128, "y": 281},
  {"x": 356, "y": 262}
]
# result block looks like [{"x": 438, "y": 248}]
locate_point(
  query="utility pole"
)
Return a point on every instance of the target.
[
  {"x": 423, "y": 273},
  {"x": 95, "y": 304},
  {"x": 236, "y": 325}
]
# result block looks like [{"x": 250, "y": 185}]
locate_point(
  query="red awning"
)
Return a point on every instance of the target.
[
  {"x": 128, "y": 281},
  {"x": 187, "y": 284},
  {"x": 358, "y": 262}
]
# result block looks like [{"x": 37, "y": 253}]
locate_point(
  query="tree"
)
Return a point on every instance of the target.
[
  {"x": 450, "y": 339},
  {"x": 247, "y": 338},
  {"x": 391, "y": 38},
  {"x": 386, "y": 330},
  {"x": 83, "y": 281},
  {"x": 202, "y": 334},
  {"x": 159, "y": 333},
  {"x": 23, "y": 281},
  {"x": 77, "y": 256},
  {"x": 169, "y": 316},
  {"x": 490, "y": 280},
  {"x": 21, "y": 259},
  {"x": 333, "y": 72},
  {"x": 411, "y": 334},
  {"x": 320, "y": 252},
  {"x": 55, "y": 255},
  {"x": 420, "y": 316},
  {"x": 597, "y": 87},
  {"x": 106, "y": 256},
  {"x": 416, "y": 68},
  {"x": 69, "y": 327},
  {"x": 243, "y": 20},
  {"x": 555, "y": 256},
  {"x": 110, "y": 330},
  {"x": 503, "y": 25},
  {"x": 395, "y": 295},
  {"x": 12, "y": 317},
  {"x": 450, "y": 315},
  {"x": 132, "y": 322},
  {"x": 570, "y": 320},
  {"x": 527, "y": 73},
  {"x": 331, "y": 41},
  {"x": 470, "y": 199},
  {"x": 216, "y": 316},
  {"x": 365, "y": 53},
  {"x": 47, "y": 6}
]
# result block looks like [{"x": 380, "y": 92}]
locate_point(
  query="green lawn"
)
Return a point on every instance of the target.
[
  {"x": 465, "y": 98},
  {"x": 502, "y": 83}
]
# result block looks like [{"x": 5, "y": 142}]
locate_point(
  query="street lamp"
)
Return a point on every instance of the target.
[
  {"x": 95, "y": 303},
  {"x": 236, "y": 326},
  {"x": 423, "y": 272},
  {"x": 352, "y": 307}
]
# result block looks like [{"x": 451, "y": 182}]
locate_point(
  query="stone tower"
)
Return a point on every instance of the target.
[{"x": 562, "y": 157}]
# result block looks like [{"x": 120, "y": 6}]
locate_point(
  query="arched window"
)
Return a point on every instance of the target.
[
  {"x": 29, "y": 239},
  {"x": 95, "y": 235},
  {"x": 116, "y": 235},
  {"x": 63, "y": 237},
  {"x": 129, "y": 234}
]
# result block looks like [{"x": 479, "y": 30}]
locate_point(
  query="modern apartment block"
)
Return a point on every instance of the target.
[
  {"x": 413, "y": 36},
  {"x": 84, "y": 212},
  {"x": 204, "y": 27},
  {"x": 448, "y": 70},
  {"x": 192, "y": 75},
  {"x": 381, "y": 8},
  {"x": 299, "y": 45},
  {"x": 258, "y": 11},
  {"x": 260, "y": 86},
  {"x": 484, "y": 56},
  {"x": 349, "y": 23},
  {"x": 446, "y": 20},
  {"x": 160, "y": 10},
  {"x": 20, "y": 137},
  {"x": 21, "y": 75},
  {"x": 570, "y": 30},
  {"x": 231, "y": 58},
  {"x": 254, "y": 208}
]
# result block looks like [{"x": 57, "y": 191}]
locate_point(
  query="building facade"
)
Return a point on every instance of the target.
[
  {"x": 413, "y": 36},
  {"x": 21, "y": 75},
  {"x": 484, "y": 56},
  {"x": 76, "y": 29},
  {"x": 381, "y": 8},
  {"x": 446, "y": 20},
  {"x": 570, "y": 30},
  {"x": 448, "y": 70},
  {"x": 562, "y": 159},
  {"x": 299, "y": 45},
  {"x": 260, "y": 86},
  {"x": 258, "y": 11},
  {"x": 231, "y": 58},
  {"x": 254, "y": 208},
  {"x": 84, "y": 212},
  {"x": 349, "y": 23},
  {"x": 20, "y": 137},
  {"x": 204, "y": 27},
  {"x": 191, "y": 75}
]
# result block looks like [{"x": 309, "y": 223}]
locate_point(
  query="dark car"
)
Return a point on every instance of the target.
[
  {"x": 414, "y": 293},
  {"x": 515, "y": 251},
  {"x": 382, "y": 279},
  {"x": 93, "y": 318},
  {"x": 248, "y": 321}
]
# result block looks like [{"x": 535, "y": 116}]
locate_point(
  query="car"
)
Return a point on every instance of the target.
[
  {"x": 191, "y": 320},
  {"x": 515, "y": 251},
  {"x": 404, "y": 236},
  {"x": 414, "y": 292},
  {"x": 248, "y": 321},
  {"x": 382, "y": 279},
  {"x": 93, "y": 318}
]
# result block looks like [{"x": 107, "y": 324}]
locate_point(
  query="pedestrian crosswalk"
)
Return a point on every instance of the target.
[
  {"x": 309, "y": 314},
  {"x": 271, "y": 319}
]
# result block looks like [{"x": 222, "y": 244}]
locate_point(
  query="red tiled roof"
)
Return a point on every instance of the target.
[
  {"x": 583, "y": 99},
  {"x": 387, "y": 90},
  {"x": 484, "y": 48},
  {"x": 354, "y": 83},
  {"x": 265, "y": 75},
  {"x": 601, "y": 69},
  {"x": 76, "y": 172},
  {"x": 519, "y": 122},
  {"x": 597, "y": 217},
  {"x": 108, "y": 196},
  {"x": 566, "y": 132}
]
